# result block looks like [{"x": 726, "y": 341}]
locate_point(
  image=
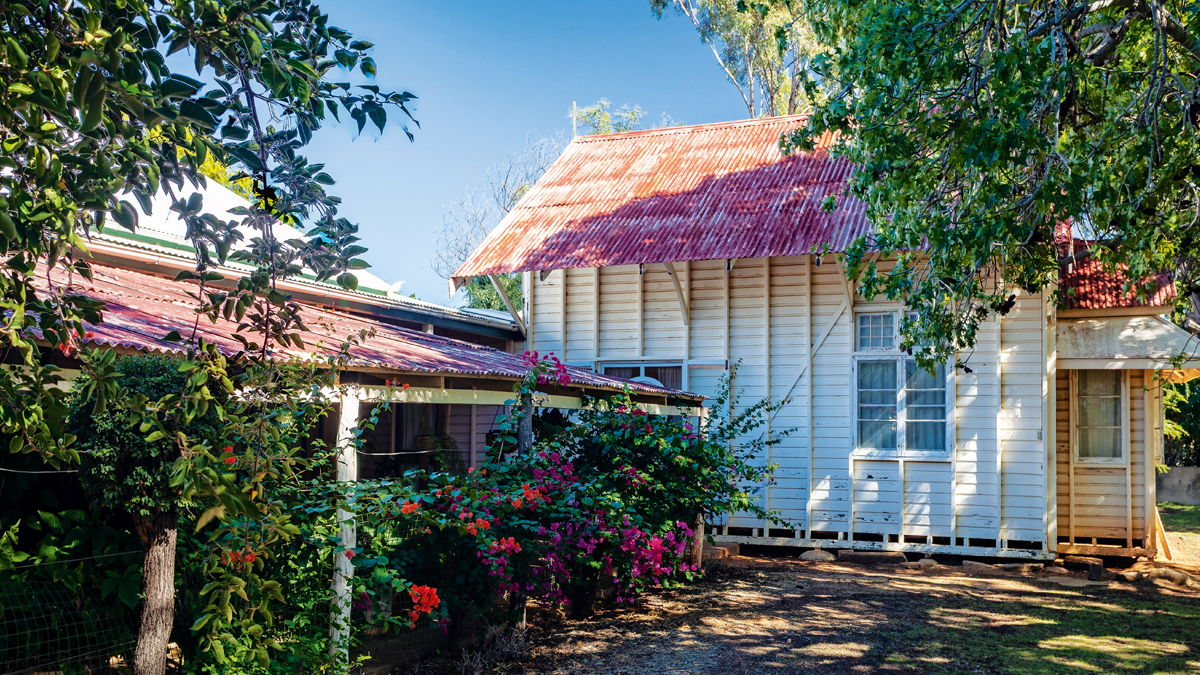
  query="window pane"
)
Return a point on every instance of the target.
[
  {"x": 876, "y": 331},
  {"x": 1100, "y": 411},
  {"x": 926, "y": 397},
  {"x": 919, "y": 378},
  {"x": 924, "y": 435},
  {"x": 877, "y": 435},
  {"x": 670, "y": 376},
  {"x": 1104, "y": 443},
  {"x": 925, "y": 412},
  {"x": 877, "y": 384},
  {"x": 1099, "y": 383},
  {"x": 877, "y": 375},
  {"x": 877, "y": 412}
]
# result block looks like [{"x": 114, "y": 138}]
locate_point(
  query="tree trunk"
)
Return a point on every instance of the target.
[
  {"x": 158, "y": 535},
  {"x": 583, "y": 596},
  {"x": 525, "y": 428},
  {"x": 696, "y": 552}
]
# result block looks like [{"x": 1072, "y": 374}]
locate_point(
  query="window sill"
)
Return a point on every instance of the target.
[
  {"x": 919, "y": 455},
  {"x": 1101, "y": 461}
]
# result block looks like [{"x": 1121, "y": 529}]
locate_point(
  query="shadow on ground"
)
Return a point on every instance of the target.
[{"x": 767, "y": 615}]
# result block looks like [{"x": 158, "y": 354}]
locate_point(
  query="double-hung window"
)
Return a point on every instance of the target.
[
  {"x": 900, "y": 408},
  {"x": 1101, "y": 405}
]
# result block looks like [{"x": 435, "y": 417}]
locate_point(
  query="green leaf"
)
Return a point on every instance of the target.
[
  {"x": 190, "y": 111},
  {"x": 201, "y": 622},
  {"x": 126, "y": 216},
  {"x": 379, "y": 117}
]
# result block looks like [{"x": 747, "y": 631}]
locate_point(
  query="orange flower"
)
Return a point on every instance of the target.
[
  {"x": 406, "y": 385},
  {"x": 231, "y": 460},
  {"x": 408, "y": 507}
]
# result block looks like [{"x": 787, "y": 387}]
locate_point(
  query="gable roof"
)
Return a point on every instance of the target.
[{"x": 702, "y": 192}]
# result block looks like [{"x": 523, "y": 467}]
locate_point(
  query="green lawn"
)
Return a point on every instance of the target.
[{"x": 1180, "y": 517}]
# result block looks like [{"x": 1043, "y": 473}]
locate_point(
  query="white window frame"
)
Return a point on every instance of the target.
[
  {"x": 895, "y": 330},
  {"x": 1124, "y": 412},
  {"x": 900, "y": 359}
]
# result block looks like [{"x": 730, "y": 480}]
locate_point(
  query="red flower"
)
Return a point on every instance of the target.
[
  {"x": 405, "y": 385},
  {"x": 250, "y": 557},
  {"x": 231, "y": 460},
  {"x": 409, "y": 507},
  {"x": 350, "y": 554}
]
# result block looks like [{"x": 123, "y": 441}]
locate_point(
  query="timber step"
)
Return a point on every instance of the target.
[
  {"x": 718, "y": 551},
  {"x": 871, "y": 557}
]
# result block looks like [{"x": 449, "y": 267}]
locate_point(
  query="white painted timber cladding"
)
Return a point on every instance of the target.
[{"x": 979, "y": 492}]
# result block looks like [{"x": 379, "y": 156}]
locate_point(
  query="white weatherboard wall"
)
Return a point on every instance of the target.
[{"x": 788, "y": 322}]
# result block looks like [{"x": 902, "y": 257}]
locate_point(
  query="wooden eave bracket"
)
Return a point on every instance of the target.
[
  {"x": 683, "y": 306},
  {"x": 508, "y": 304}
]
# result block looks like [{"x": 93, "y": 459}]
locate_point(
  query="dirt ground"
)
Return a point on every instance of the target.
[{"x": 770, "y": 612}]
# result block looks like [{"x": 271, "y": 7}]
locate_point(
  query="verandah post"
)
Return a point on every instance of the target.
[{"x": 343, "y": 566}]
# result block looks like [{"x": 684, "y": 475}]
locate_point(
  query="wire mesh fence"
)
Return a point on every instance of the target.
[{"x": 47, "y": 626}]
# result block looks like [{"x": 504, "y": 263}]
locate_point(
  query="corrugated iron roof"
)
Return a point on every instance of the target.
[
  {"x": 141, "y": 309},
  {"x": 701, "y": 192},
  {"x": 1087, "y": 285}
]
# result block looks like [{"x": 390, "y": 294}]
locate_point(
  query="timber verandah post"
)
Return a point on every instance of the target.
[{"x": 343, "y": 572}]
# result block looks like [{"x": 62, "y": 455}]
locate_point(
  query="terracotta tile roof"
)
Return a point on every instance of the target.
[
  {"x": 141, "y": 309},
  {"x": 1086, "y": 285},
  {"x": 701, "y": 192}
]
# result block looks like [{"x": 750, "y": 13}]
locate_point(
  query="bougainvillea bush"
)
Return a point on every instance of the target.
[{"x": 612, "y": 498}]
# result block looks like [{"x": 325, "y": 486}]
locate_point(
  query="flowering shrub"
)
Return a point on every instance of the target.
[{"x": 610, "y": 499}]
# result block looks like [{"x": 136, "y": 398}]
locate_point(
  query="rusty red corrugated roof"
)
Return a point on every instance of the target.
[
  {"x": 1087, "y": 285},
  {"x": 141, "y": 309},
  {"x": 701, "y": 192}
]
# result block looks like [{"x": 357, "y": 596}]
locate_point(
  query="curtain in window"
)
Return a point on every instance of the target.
[
  {"x": 924, "y": 407},
  {"x": 624, "y": 372},
  {"x": 670, "y": 376},
  {"x": 877, "y": 405},
  {"x": 1098, "y": 421}
]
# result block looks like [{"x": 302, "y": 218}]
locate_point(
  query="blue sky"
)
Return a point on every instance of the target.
[{"x": 487, "y": 74}]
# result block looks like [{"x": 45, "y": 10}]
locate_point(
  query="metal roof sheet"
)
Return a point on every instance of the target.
[
  {"x": 1087, "y": 285},
  {"x": 700, "y": 192},
  {"x": 142, "y": 308}
]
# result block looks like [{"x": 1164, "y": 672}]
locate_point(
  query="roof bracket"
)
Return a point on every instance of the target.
[
  {"x": 508, "y": 303},
  {"x": 542, "y": 274},
  {"x": 683, "y": 307},
  {"x": 729, "y": 263}
]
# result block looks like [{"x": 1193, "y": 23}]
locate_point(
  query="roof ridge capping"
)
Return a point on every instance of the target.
[{"x": 693, "y": 128}]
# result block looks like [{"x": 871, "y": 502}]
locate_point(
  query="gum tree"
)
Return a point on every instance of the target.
[{"x": 979, "y": 126}]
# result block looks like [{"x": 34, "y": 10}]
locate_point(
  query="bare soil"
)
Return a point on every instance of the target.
[{"x": 768, "y": 612}]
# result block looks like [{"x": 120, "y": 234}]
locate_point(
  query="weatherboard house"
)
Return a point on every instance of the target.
[{"x": 668, "y": 255}]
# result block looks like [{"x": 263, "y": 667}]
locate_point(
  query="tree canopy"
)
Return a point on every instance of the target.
[
  {"x": 764, "y": 50},
  {"x": 978, "y": 127},
  {"x": 94, "y": 119}
]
